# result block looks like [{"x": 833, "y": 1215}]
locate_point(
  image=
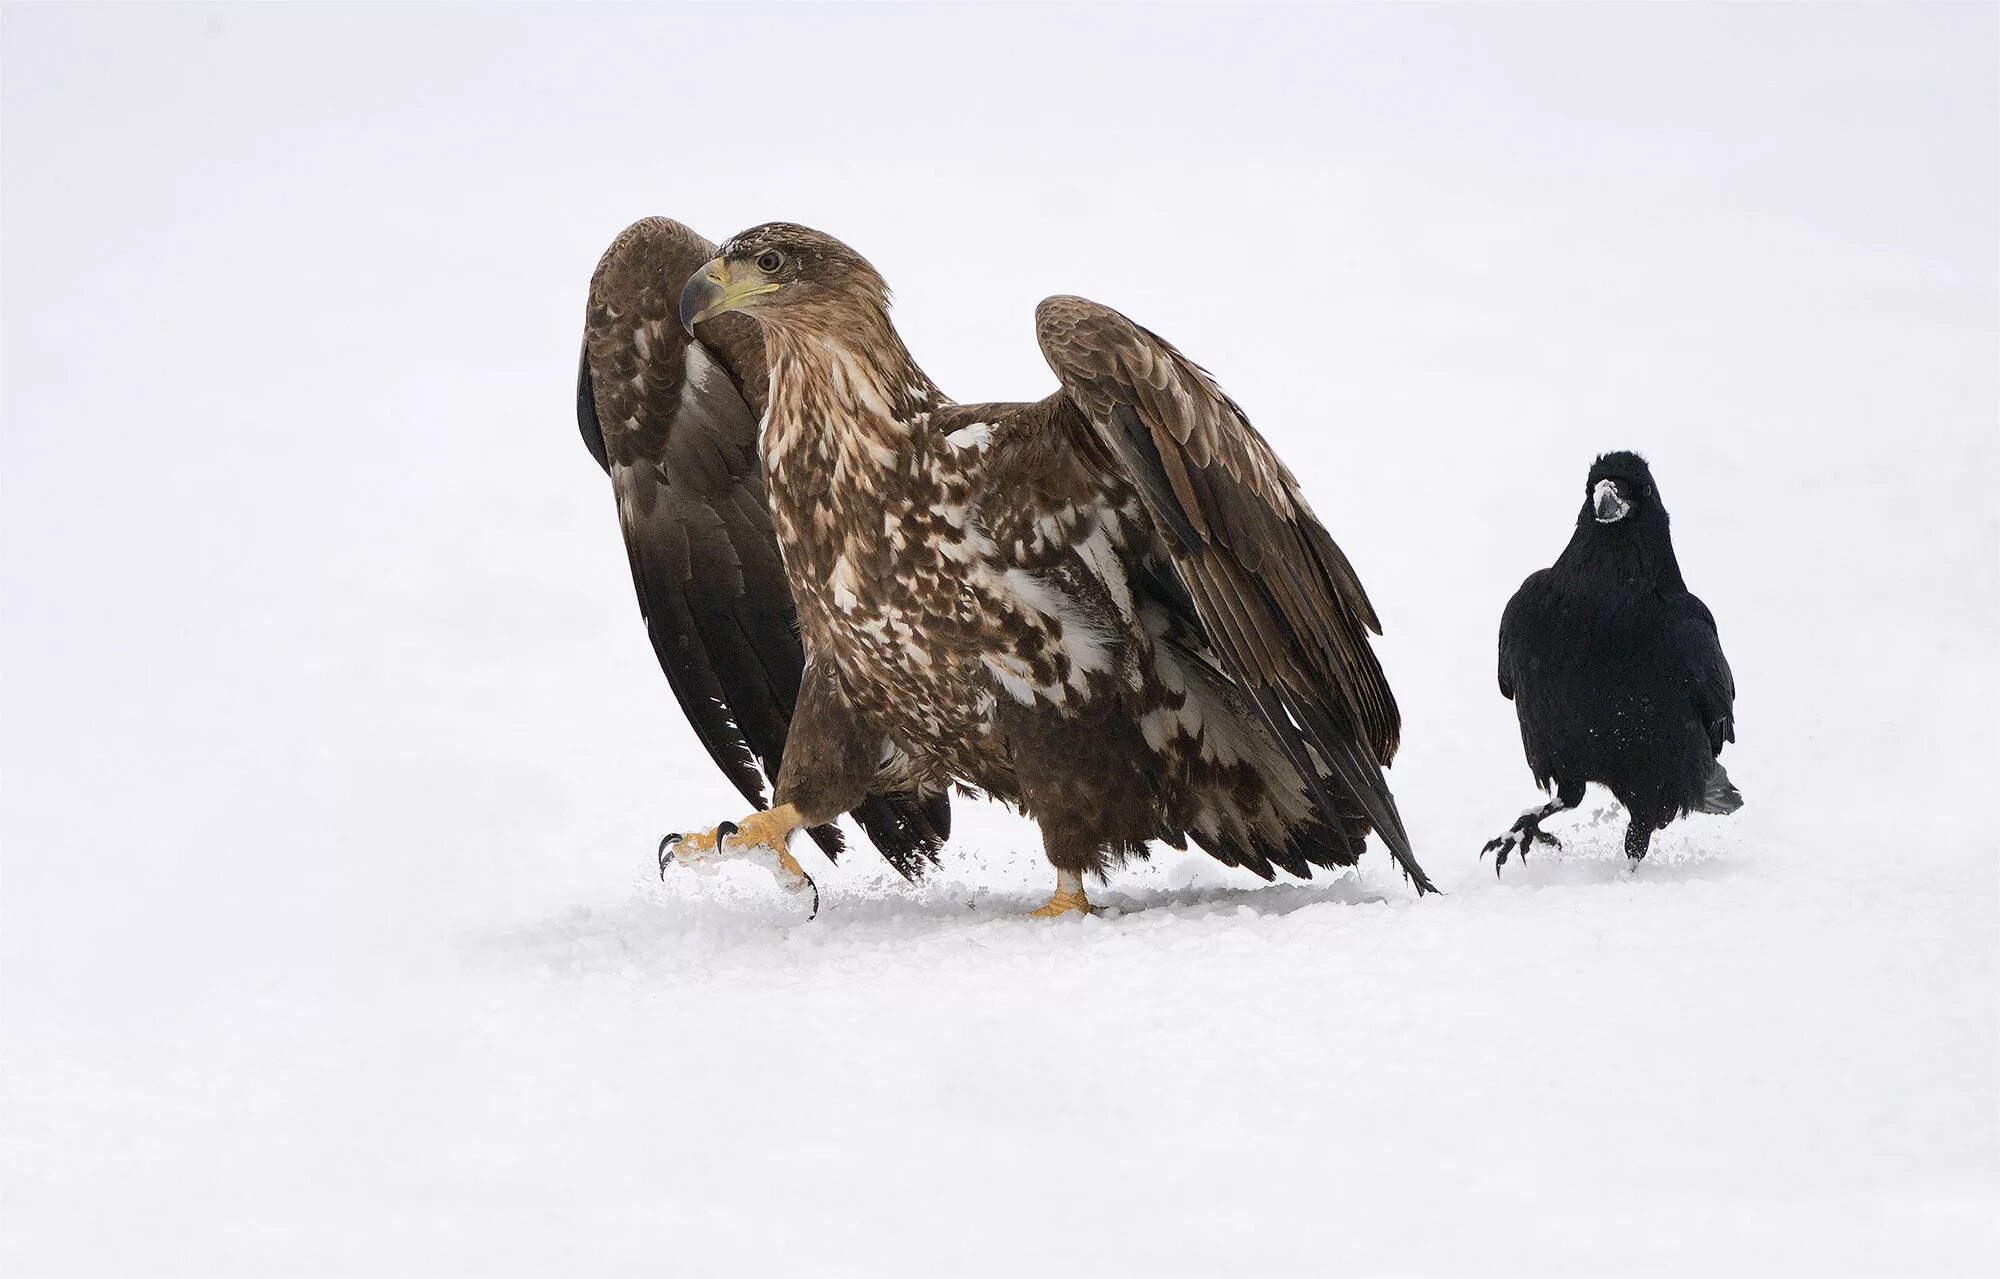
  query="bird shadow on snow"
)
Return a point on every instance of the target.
[
  {"x": 739, "y": 908},
  {"x": 975, "y": 900}
]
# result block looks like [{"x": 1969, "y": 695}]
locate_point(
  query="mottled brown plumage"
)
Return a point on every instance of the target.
[
  {"x": 674, "y": 424},
  {"x": 1110, "y": 607}
]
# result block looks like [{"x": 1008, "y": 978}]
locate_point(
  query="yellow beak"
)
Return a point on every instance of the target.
[{"x": 710, "y": 291}]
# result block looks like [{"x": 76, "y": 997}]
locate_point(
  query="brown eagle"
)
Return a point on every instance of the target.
[{"x": 1110, "y": 608}]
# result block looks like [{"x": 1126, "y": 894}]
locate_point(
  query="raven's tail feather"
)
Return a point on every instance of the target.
[{"x": 1719, "y": 794}]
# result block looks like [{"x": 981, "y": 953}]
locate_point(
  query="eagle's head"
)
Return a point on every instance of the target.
[{"x": 780, "y": 271}]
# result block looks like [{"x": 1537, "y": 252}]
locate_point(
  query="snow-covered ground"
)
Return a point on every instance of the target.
[{"x": 332, "y": 755}]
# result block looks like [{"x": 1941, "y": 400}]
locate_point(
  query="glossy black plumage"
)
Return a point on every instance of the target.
[{"x": 1616, "y": 670}]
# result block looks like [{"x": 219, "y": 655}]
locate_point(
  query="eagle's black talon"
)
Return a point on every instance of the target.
[
  {"x": 723, "y": 830},
  {"x": 666, "y": 853},
  {"x": 814, "y": 885}
]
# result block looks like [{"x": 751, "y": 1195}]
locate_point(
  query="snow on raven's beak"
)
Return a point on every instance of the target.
[{"x": 1606, "y": 503}]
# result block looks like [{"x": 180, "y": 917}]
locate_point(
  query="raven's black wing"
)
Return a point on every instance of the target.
[
  {"x": 1711, "y": 685},
  {"x": 673, "y": 421},
  {"x": 1523, "y": 615}
]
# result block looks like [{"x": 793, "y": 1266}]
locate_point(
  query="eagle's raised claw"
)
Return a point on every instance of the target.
[
  {"x": 758, "y": 838},
  {"x": 698, "y": 844}
]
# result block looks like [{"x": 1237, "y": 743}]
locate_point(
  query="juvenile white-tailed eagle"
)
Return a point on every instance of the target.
[{"x": 1111, "y": 607}]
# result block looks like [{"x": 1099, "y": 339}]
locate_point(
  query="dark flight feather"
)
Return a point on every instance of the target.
[
  {"x": 1111, "y": 607},
  {"x": 674, "y": 423},
  {"x": 1278, "y": 600}
]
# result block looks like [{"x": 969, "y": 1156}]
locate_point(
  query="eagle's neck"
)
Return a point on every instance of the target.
[{"x": 846, "y": 395}]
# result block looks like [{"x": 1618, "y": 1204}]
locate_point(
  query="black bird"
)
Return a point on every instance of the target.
[{"x": 1616, "y": 671}]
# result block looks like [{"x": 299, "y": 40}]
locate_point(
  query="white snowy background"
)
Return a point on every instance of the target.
[{"x": 334, "y": 756}]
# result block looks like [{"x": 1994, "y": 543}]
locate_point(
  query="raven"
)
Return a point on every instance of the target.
[{"x": 1616, "y": 672}]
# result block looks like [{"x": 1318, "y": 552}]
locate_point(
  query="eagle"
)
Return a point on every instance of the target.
[{"x": 1110, "y": 608}]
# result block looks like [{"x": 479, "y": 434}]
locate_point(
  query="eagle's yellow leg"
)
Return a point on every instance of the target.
[
  {"x": 1069, "y": 898},
  {"x": 767, "y": 830}
]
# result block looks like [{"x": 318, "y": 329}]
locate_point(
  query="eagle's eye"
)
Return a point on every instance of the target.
[{"x": 770, "y": 260}]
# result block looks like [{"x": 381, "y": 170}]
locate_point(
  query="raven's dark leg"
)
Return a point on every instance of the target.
[
  {"x": 1638, "y": 838},
  {"x": 1527, "y": 832}
]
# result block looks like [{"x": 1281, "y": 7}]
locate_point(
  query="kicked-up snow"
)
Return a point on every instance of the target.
[{"x": 333, "y": 758}]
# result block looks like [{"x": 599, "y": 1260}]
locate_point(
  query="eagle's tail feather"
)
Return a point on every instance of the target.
[{"x": 909, "y": 829}]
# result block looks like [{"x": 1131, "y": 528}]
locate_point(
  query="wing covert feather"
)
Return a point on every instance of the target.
[
  {"x": 1280, "y": 601},
  {"x": 1711, "y": 684},
  {"x": 1523, "y": 611}
]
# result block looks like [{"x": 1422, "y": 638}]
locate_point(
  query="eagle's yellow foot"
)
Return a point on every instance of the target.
[
  {"x": 760, "y": 838},
  {"x": 768, "y": 829},
  {"x": 790, "y": 874},
  {"x": 1069, "y": 899},
  {"x": 695, "y": 847}
]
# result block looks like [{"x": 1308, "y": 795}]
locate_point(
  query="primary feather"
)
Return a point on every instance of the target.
[
  {"x": 1111, "y": 607},
  {"x": 673, "y": 421}
]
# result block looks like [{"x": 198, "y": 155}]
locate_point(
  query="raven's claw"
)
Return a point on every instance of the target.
[{"x": 1522, "y": 835}]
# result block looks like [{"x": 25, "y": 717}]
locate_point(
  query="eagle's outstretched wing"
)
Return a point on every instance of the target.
[
  {"x": 1281, "y": 604},
  {"x": 674, "y": 423}
]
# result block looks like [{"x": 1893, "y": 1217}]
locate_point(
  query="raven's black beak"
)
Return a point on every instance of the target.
[{"x": 1606, "y": 502}]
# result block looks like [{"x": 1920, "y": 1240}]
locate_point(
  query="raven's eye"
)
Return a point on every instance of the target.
[{"x": 770, "y": 260}]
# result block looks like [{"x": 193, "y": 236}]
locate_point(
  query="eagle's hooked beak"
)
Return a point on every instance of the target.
[
  {"x": 1606, "y": 504},
  {"x": 710, "y": 291}
]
